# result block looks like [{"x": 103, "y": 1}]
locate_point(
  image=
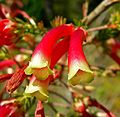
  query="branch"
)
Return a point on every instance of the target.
[
  {"x": 92, "y": 102},
  {"x": 85, "y": 8},
  {"x": 98, "y": 10},
  {"x": 112, "y": 26},
  {"x": 57, "y": 94}
]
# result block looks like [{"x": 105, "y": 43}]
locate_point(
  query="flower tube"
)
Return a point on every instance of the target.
[
  {"x": 6, "y": 63},
  {"x": 41, "y": 58},
  {"x": 79, "y": 71}
]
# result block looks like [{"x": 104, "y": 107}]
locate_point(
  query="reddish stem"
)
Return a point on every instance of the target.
[{"x": 100, "y": 106}]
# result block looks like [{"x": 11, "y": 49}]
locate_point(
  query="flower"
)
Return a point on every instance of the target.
[
  {"x": 79, "y": 71},
  {"x": 6, "y": 63},
  {"x": 38, "y": 88},
  {"x": 59, "y": 50},
  {"x": 5, "y": 77},
  {"x": 41, "y": 58},
  {"x": 39, "y": 112},
  {"x": 7, "y": 36},
  {"x": 10, "y": 108}
]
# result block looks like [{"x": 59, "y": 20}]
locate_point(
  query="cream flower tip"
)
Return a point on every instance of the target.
[
  {"x": 37, "y": 91},
  {"x": 81, "y": 77}
]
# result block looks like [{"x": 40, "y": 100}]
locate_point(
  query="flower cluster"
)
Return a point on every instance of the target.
[
  {"x": 10, "y": 108},
  {"x": 53, "y": 46}
]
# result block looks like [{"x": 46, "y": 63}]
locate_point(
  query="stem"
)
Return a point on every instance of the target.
[
  {"x": 85, "y": 8},
  {"x": 61, "y": 105},
  {"x": 98, "y": 10},
  {"x": 57, "y": 94},
  {"x": 100, "y": 106},
  {"x": 112, "y": 26},
  {"x": 98, "y": 28},
  {"x": 60, "y": 78},
  {"x": 53, "y": 108}
]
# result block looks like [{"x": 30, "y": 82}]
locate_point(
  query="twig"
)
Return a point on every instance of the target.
[
  {"x": 93, "y": 102},
  {"x": 85, "y": 8},
  {"x": 61, "y": 105},
  {"x": 57, "y": 94},
  {"x": 96, "y": 68},
  {"x": 102, "y": 28},
  {"x": 98, "y": 10},
  {"x": 53, "y": 108},
  {"x": 63, "y": 83}
]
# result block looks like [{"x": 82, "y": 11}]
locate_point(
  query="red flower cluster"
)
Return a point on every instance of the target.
[
  {"x": 8, "y": 108},
  {"x": 7, "y": 36},
  {"x": 52, "y": 47}
]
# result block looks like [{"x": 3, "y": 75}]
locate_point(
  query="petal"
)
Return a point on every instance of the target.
[{"x": 79, "y": 71}]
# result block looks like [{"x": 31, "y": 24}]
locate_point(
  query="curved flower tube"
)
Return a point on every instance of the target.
[
  {"x": 79, "y": 71},
  {"x": 59, "y": 50},
  {"x": 38, "y": 88},
  {"x": 41, "y": 58},
  {"x": 6, "y": 63}
]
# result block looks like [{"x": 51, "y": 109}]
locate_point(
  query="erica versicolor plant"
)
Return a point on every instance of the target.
[
  {"x": 10, "y": 108},
  {"x": 35, "y": 61}
]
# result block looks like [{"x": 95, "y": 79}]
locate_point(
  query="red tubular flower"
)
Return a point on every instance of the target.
[
  {"x": 6, "y": 63},
  {"x": 39, "y": 110},
  {"x": 38, "y": 88},
  {"x": 41, "y": 58},
  {"x": 79, "y": 71},
  {"x": 59, "y": 50},
  {"x": 8, "y": 108},
  {"x": 6, "y": 32},
  {"x": 5, "y": 77}
]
